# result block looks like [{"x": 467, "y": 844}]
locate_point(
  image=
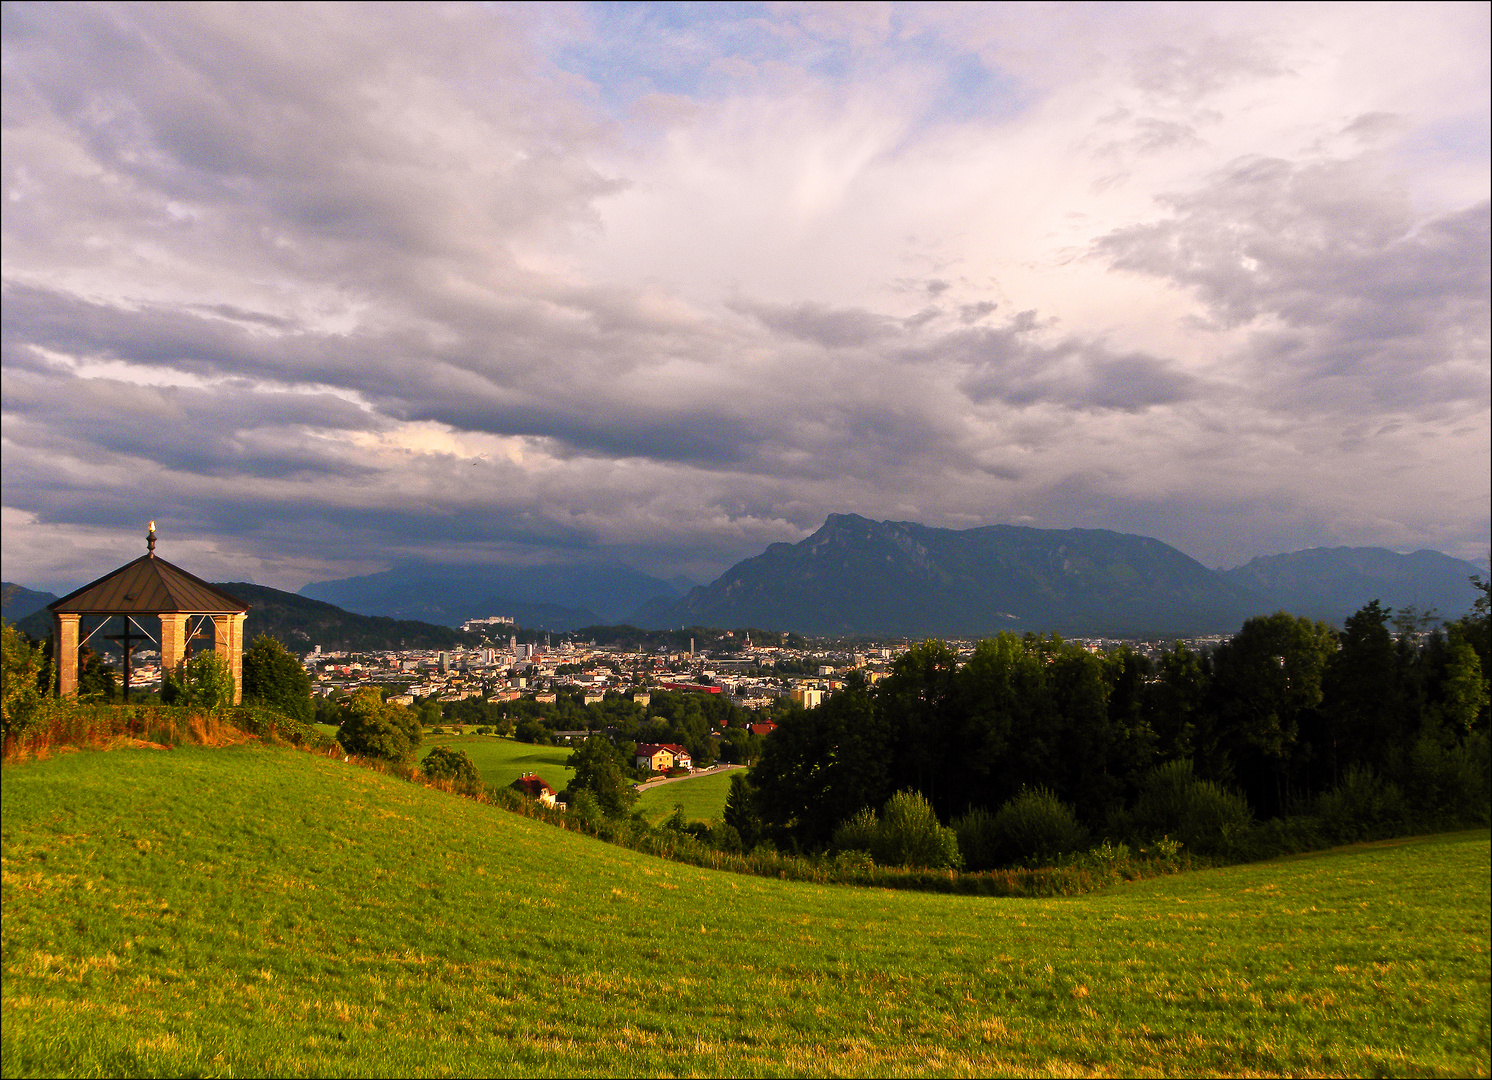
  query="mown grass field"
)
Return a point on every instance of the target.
[
  {"x": 501, "y": 761},
  {"x": 703, "y": 798},
  {"x": 261, "y": 911}
]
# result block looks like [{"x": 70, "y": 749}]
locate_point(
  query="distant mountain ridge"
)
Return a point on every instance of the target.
[
  {"x": 856, "y": 576},
  {"x": 543, "y": 597},
  {"x": 901, "y": 578},
  {"x": 1331, "y": 583},
  {"x": 299, "y": 623},
  {"x": 17, "y": 601}
]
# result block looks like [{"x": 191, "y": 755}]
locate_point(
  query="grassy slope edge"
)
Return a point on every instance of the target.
[{"x": 257, "y": 910}]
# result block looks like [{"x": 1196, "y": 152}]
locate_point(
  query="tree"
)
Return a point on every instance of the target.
[
  {"x": 1365, "y": 711},
  {"x": 1267, "y": 680},
  {"x": 376, "y": 728},
  {"x": 429, "y": 713},
  {"x": 273, "y": 677},
  {"x": 821, "y": 765},
  {"x": 445, "y": 763},
  {"x": 740, "y": 811},
  {"x": 1463, "y": 692},
  {"x": 916, "y": 700},
  {"x": 599, "y": 771}
]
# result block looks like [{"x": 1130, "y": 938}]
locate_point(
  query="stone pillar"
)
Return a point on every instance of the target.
[
  {"x": 227, "y": 635},
  {"x": 173, "y": 643},
  {"x": 65, "y": 644}
]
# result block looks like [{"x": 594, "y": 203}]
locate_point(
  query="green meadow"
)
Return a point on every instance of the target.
[
  {"x": 703, "y": 798},
  {"x": 256, "y": 910},
  {"x": 501, "y": 761}
]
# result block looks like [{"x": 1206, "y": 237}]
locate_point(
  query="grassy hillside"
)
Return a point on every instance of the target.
[
  {"x": 703, "y": 799},
  {"x": 260, "y": 911},
  {"x": 501, "y": 761}
]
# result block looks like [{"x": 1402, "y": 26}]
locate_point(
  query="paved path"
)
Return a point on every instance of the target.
[{"x": 713, "y": 771}]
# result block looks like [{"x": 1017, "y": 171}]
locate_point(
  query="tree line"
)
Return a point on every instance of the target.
[{"x": 1286, "y": 713}]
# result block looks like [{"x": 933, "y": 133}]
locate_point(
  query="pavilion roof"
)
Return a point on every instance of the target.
[{"x": 148, "y": 586}]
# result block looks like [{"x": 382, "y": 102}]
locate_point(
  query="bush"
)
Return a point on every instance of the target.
[
  {"x": 1202, "y": 815},
  {"x": 583, "y": 807},
  {"x": 276, "y": 727},
  {"x": 207, "y": 682},
  {"x": 1034, "y": 828},
  {"x": 1448, "y": 784},
  {"x": 444, "y": 763},
  {"x": 24, "y": 701},
  {"x": 907, "y": 833},
  {"x": 857, "y": 833},
  {"x": 1363, "y": 806},
  {"x": 976, "y": 839}
]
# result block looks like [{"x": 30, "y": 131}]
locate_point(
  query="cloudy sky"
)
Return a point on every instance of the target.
[{"x": 326, "y": 288}]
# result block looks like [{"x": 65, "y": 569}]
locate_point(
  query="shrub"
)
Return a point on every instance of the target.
[
  {"x": 976, "y": 839},
  {"x": 909, "y": 834},
  {"x": 1034, "y": 828},
  {"x": 1448, "y": 784},
  {"x": 726, "y": 838},
  {"x": 1204, "y": 816},
  {"x": 445, "y": 763},
  {"x": 857, "y": 833},
  {"x": 24, "y": 704},
  {"x": 208, "y": 682},
  {"x": 1363, "y": 806},
  {"x": 276, "y": 727},
  {"x": 583, "y": 807}
]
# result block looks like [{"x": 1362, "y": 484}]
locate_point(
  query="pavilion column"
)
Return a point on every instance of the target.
[
  {"x": 227, "y": 633},
  {"x": 66, "y": 654},
  {"x": 173, "y": 643}
]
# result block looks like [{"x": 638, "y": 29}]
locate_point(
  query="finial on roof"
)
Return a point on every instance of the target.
[{"x": 150, "y": 540}]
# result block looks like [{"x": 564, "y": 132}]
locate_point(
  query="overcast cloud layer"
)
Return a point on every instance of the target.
[{"x": 325, "y": 288}]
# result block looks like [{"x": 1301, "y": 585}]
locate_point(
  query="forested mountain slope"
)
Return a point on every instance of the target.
[{"x": 897, "y": 577}]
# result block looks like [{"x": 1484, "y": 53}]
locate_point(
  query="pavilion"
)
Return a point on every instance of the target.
[{"x": 149, "y": 587}]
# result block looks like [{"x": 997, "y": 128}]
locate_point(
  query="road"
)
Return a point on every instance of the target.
[{"x": 715, "y": 770}]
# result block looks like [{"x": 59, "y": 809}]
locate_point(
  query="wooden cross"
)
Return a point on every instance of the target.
[{"x": 127, "y": 642}]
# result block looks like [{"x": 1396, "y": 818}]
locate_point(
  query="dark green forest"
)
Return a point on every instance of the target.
[{"x": 1286, "y": 720}]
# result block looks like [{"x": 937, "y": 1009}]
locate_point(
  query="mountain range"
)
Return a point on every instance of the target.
[
  {"x": 542, "y": 597},
  {"x": 901, "y": 578},
  {"x": 296, "y": 621},
  {"x": 857, "y": 576}
]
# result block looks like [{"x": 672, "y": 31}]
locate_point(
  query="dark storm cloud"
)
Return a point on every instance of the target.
[
  {"x": 222, "y": 432},
  {"x": 318, "y": 279},
  {"x": 1004, "y": 364}
]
